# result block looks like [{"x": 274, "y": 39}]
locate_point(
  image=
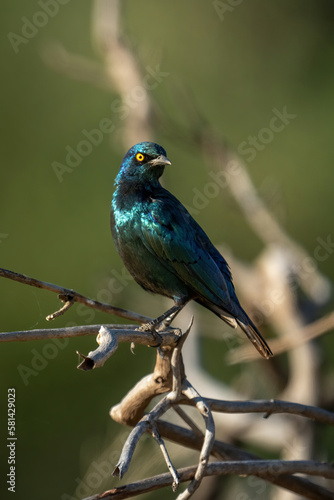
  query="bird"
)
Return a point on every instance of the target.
[{"x": 166, "y": 250}]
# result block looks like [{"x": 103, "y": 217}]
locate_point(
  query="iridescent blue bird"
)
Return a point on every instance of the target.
[{"x": 164, "y": 248}]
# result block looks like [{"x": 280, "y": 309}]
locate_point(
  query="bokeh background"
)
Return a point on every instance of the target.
[{"x": 237, "y": 64}]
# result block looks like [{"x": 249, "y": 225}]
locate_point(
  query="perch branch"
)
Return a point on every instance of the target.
[
  {"x": 124, "y": 333},
  {"x": 67, "y": 295}
]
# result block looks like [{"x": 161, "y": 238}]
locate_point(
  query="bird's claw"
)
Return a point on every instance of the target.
[
  {"x": 150, "y": 327},
  {"x": 157, "y": 338}
]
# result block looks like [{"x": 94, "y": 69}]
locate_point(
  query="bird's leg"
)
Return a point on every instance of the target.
[
  {"x": 167, "y": 321},
  {"x": 164, "y": 320}
]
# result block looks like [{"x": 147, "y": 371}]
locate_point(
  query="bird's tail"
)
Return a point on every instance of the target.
[
  {"x": 255, "y": 337},
  {"x": 246, "y": 324},
  {"x": 240, "y": 317}
]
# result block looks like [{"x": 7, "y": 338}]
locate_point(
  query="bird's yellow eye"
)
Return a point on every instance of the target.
[{"x": 139, "y": 156}]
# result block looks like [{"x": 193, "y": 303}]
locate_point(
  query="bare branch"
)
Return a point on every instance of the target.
[
  {"x": 131, "y": 409},
  {"x": 188, "y": 420},
  {"x": 124, "y": 333},
  {"x": 177, "y": 365},
  {"x": 271, "y": 407},
  {"x": 271, "y": 468},
  {"x": 66, "y": 295},
  {"x": 143, "y": 425},
  {"x": 189, "y": 439}
]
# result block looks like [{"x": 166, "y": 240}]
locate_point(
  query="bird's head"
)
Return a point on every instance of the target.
[{"x": 144, "y": 162}]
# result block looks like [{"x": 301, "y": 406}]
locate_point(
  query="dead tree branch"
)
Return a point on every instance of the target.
[
  {"x": 269, "y": 468},
  {"x": 69, "y": 296}
]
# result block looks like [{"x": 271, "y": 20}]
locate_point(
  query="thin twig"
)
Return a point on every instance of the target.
[
  {"x": 209, "y": 437},
  {"x": 143, "y": 425},
  {"x": 74, "y": 296},
  {"x": 62, "y": 310},
  {"x": 188, "y": 420},
  {"x": 172, "y": 470}
]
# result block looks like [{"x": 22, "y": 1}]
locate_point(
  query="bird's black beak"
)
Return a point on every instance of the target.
[{"x": 160, "y": 160}]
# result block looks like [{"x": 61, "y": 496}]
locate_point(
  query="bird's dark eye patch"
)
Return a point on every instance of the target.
[{"x": 140, "y": 157}]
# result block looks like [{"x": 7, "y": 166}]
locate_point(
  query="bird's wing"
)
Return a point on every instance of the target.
[
  {"x": 169, "y": 231},
  {"x": 175, "y": 238}
]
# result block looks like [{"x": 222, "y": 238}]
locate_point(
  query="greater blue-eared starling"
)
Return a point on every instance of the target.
[{"x": 164, "y": 248}]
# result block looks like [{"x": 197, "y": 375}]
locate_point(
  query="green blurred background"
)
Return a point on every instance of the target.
[{"x": 259, "y": 56}]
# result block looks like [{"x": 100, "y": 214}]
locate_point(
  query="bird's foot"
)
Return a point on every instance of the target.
[
  {"x": 150, "y": 327},
  {"x": 147, "y": 327}
]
